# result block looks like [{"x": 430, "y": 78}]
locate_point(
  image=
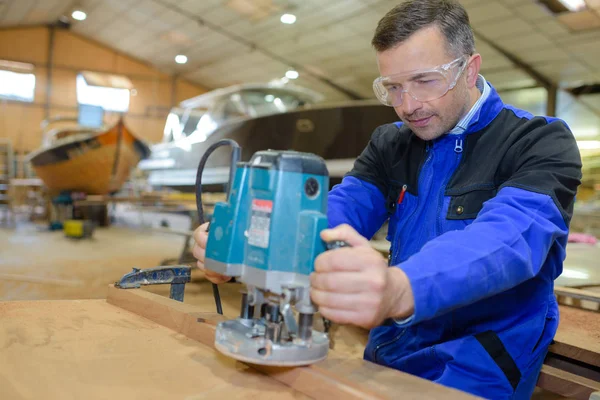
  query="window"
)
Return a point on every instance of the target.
[
  {"x": 109, "y": 98},
  {"x": 269, "y": 101},
  {"x": 182, "y": 123},
  {"x": 17, "y": 86}
]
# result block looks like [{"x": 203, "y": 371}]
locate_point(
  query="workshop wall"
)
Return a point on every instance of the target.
[{"x": 55, "y": 92}]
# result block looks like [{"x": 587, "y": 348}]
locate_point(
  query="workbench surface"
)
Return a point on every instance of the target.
[
  {"x": 139, "y": 345},
  {"x": 89, "y": 349}
]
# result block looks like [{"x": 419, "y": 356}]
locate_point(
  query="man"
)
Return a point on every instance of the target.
[{"x": 478, "y": 196}]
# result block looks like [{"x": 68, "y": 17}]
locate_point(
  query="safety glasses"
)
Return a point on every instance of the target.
[{"x": 422, "y": 85}]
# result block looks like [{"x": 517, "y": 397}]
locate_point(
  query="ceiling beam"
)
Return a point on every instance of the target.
[
  {"x": 528, "y": 69},
  {"x": 542, "y": 80},
  {"x": 519, "y": 88},
  {"x": 551, "y": 100},
  {"x": 550, "y": 86}
]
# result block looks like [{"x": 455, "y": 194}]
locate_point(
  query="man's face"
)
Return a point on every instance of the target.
[{"x": 427, "y": 49}]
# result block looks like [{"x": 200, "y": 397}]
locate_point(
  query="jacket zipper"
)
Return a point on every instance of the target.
[
  {"x": 393, "y": 261},
  {"x": 458, "y": 149},
  {"x": 458, "y": 146}
]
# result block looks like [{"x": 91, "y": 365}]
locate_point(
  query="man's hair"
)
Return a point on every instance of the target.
[{"x": 409, "y": 17}]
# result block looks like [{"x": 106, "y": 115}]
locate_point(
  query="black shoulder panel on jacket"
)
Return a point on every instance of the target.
[
  {"x": 531, "y": 154},
  {"x": 391, "y": 160}
]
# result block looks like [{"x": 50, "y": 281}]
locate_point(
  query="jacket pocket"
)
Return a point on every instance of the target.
[
  {"x": 525, "y": 340},
  {"x": 380, "y": 339},
  {"x": 547, "y": 335},
  {"x": 466, "y": 202},
  {"x": 391, "y": 201},
  {"x": 396, "y": 202},
  {"x": 378, "y": 349},
  {"x": 492, "y": 344}
]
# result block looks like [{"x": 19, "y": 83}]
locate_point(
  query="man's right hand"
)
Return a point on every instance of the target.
[{"x": 199, "y": 251}]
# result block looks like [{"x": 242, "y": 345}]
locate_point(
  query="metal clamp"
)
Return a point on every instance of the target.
[{"x": 176, "y": 275}]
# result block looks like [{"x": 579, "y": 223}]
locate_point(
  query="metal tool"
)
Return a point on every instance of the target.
[
  {"x": 176, "y": 275},
  {"x": 267, "y": 236}
]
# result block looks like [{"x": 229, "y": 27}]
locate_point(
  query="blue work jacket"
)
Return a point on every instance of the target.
[{"x": 478, "y": 221}]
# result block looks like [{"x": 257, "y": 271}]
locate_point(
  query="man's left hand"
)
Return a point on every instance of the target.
[{"x": 353, "y": 285}]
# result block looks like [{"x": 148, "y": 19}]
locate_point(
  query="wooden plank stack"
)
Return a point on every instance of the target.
[{"x": 572, "y": 367}]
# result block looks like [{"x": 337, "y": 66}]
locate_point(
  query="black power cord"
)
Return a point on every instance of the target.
[{"x": 236, "y": 152}]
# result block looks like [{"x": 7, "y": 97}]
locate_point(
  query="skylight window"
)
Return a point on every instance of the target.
[
  {"x": 17, "y": 86},
  {"x": 564, "y": 6},
  {"x": 574, "y": 5},
  {"x": 109, "y": 98}
]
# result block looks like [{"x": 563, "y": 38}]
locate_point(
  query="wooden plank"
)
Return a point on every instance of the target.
[
  {"x": 566, "y": 383},
  {"x": 186, "y": 319},
  {"x": 575, "y": 293},
  {"x": 578, "y": 335},
  {"x": 180, "y": 317},
  {"x": 88, "y": 349},
  {"x": 573, "y": 366},
  {"x": 335, "y": 378}
]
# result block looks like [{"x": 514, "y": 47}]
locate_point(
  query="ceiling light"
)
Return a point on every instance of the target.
[
  {"x": 291, "y": 74},
  {"x": 269, "y": 98},
  {"x": 559, "y": 7},
  {"x": 180, "y": 59},
  {"x": 288, "y": 18},
  {"x": 574, "y": 5},
  {"x": 279, "y": 104},
  {"x": 78, "y": 15},
  {"x": 588, "y": 144}
]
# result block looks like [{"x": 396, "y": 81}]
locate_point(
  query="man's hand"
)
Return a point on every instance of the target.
[
  {"x": 199, "y": 251},
  {"x": 353, "y": 285}
]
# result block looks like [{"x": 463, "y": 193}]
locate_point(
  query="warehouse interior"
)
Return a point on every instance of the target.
[{"x": 109, "y": 107}]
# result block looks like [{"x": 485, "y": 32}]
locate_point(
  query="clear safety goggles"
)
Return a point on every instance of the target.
[{"x": 422, "y": 85}]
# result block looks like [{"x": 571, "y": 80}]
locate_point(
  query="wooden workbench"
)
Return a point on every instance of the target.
[
  {"x": 572, "y": 367},
  {"x": 90, "y": 349},
  {"x": 138, "y": 345}
]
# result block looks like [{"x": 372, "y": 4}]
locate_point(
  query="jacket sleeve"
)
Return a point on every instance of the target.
[
  {"x": 359, "y": 201},
  {"x": 510, "y": 239}
]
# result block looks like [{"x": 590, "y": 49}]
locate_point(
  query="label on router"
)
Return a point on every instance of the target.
[{"x": 260, "y": 223}]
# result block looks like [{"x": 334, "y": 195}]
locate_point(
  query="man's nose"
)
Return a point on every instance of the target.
[{"x": 409, "y": 104}]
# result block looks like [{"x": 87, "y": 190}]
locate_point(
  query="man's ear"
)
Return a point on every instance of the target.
[{"x": 473, "y": 67}]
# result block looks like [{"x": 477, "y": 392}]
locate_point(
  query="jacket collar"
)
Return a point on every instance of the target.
[{"x": 489, "y": 110}]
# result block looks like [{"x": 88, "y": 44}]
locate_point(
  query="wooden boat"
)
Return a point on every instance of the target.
[{"x": 93, "y": 161}]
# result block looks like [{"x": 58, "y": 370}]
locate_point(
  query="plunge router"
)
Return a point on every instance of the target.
[{"x": 267, "y": 235}]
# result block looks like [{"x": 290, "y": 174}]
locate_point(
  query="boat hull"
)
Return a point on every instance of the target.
[
  {"x": 337, "y": 134},
  {"x": 98, "y": 164}
]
